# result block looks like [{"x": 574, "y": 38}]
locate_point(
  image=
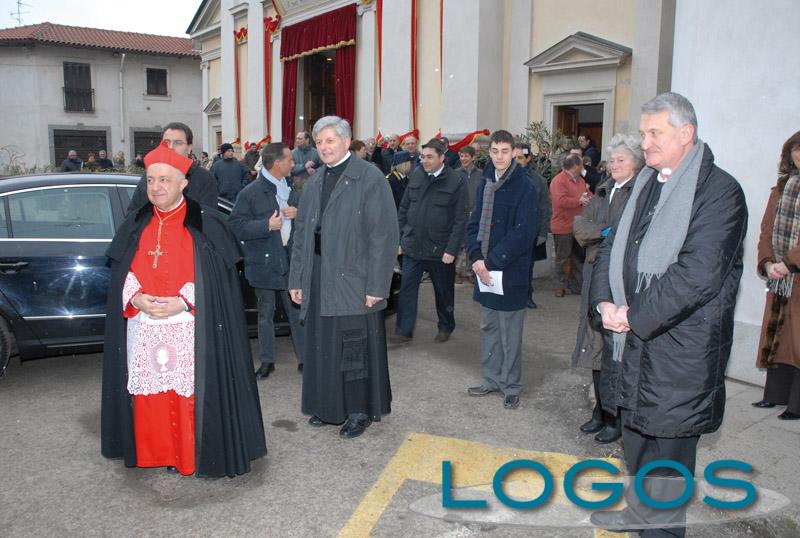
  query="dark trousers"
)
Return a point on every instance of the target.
[
  {"x": 266, "y": 324},
  {"x": 443, "y": 277},
  {"x": 598, "y": 413},
  {"x": 641, "y": 450},
  {"x": 568, "y": 263},
  {"x": 530, "y": 279},
  {"x": 783, "y": 387}
]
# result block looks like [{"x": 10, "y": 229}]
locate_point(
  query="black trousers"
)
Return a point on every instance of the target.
[
  {"x": 443, "y": 277},
  {"x": 639, "y": 451},
  {"x": 783, "y": 387}
]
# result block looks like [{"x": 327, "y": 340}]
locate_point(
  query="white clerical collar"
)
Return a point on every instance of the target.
[{"x": 347, "y": 156}]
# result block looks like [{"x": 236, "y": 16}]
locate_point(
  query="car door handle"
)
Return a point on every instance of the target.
[{"x": 12, "y": 267}]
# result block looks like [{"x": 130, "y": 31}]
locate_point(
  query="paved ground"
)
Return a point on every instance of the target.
[{"x": 53, "y": 480}]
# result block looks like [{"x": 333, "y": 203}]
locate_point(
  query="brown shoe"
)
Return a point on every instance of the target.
[
  {"x": 560, "y": 292},
  {"x": 399, "y": 339},
  {"x": 459, "y": 279},
  {"x": 442, "y": 336}
]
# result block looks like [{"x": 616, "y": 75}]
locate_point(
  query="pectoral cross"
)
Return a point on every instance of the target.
[{"x": 155, "y": 254}]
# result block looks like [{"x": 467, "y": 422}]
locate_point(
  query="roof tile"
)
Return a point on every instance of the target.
[{"x": 76, "y": 36}]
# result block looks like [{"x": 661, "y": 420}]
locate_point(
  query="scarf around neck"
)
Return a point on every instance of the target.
[
  {"x": 282, "y": 197},
  {"x": 487, "y": 209},
  {"x": 665, "y": 234},
  {"x": 786, "y": 232}
]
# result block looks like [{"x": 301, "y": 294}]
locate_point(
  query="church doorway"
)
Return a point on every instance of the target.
[
  {"x": 578, "y": 119},
  {"x": 318, "y": 88}
]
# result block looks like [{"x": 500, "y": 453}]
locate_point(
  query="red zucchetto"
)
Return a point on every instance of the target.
[{"x": 162, "y": 154}]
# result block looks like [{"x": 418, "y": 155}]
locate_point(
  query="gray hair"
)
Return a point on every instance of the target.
[
  {"x": 630, "y": 144},
  {"x": 681, "y": 111},
  {"x": 341, "y": 126}
]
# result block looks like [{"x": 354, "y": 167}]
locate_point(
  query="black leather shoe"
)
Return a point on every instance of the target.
[
  {"x": 265, "y": 369},
  {"x": 315, "y": 421},
  {"x": 608, "y": 434},
  {"x": 354, "y": 427},
  {"x": 511, "y": 401},
  {"x": 764, "y": 404},
  {"x": 531, "y": 304},
  {"x": 480, "y": 390},
  {"x": 593, "y": 426},
  {"x": 300, "y": 367},
  {"x": 442, "y": 336},
  {"x": 788, "y": 415},
  {"x": 617, "y": 520}
]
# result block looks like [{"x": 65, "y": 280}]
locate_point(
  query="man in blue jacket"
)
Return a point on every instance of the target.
[
  {"x": 500, "y": 238},
  {"x": 262, "y": 220}
]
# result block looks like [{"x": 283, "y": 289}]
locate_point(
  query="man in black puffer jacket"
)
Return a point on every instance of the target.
[{"x": 665, "y": 285}]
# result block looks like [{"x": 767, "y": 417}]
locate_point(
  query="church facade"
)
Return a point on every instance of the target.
[{"x": 454, "y": 67}]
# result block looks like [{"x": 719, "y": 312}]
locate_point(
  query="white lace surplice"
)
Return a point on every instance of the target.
[{"x": 160, "y": 351}]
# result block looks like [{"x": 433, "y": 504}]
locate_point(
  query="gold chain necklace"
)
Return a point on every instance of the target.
[{"x": 158, "y": 252}]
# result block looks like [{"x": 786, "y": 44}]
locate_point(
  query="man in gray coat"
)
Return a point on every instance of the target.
[{"x": 345, "y": 245}]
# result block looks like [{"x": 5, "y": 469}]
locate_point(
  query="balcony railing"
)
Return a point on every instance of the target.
[{"x": 78, "y": 99}]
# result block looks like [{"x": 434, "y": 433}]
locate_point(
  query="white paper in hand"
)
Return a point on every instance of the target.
[{"x": 496, "y": 286}]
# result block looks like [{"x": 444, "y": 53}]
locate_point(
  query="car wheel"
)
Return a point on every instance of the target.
[{"x": 5, "y": 346}]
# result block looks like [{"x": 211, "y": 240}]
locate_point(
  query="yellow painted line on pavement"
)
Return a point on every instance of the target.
[{"x": 420, "y": 458}]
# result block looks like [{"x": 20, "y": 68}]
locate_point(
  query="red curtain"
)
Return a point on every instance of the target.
[
  {"x": 335, "y": 29},
  {"x": 289, "y": 107},
  {"x": 320, "y": 32},
  {"x": 345, "y": 72}
]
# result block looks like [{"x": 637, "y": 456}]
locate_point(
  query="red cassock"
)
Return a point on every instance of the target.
[{"x": 161, "y": 352}]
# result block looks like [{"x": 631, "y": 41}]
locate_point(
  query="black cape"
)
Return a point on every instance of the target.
[{"x": 229, "y": 431}]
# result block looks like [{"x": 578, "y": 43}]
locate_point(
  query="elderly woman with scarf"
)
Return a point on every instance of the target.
[
  {"x": 779, "y": 263},
  {"x": 590, "y": 228}
]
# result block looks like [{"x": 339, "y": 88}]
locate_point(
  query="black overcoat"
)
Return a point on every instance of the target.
[
  {"x": 229, "y": 431},
  {"x": 672, "y": 375}
]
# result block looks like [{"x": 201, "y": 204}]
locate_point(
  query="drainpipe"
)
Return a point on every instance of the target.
[{"x": 121, "y": 98}]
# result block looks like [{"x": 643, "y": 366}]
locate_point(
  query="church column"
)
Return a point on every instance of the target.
[
  {"x": 205, "y": 142},
  {"x": 228, "y": 78},
  {"x": 276, "y": 106},
  {"x": 460, "y": 50},
  {"x": 651, "y": 64},
  {"x": 518, "y": 75},
  {"x": 366, "y": 57},
  {"x": 396, "y": 67},
  {"x": 254, "y": 125}
]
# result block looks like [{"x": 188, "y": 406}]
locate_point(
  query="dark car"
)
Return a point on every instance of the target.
[{"x": 54, "y": 231}]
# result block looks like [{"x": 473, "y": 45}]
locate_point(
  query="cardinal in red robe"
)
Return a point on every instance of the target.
[{"x": 178, "y": 384}]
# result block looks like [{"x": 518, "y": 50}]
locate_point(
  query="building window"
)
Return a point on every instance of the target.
[
  {"x": 78, "y": 92},
  {"x": 156, "y": 81},
  {"x": 82, "y": 141}
]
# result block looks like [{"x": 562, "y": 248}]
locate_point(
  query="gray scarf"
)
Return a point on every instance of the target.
[
  {"x": 487, "y": 209},
  {"x": 665, "y": 235}
]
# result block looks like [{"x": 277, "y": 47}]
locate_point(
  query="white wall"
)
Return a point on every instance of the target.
[
  {"x": 32, "y": 80},
  {"x": 396, "y": 68},
  {"x": 737, "y": 62}
]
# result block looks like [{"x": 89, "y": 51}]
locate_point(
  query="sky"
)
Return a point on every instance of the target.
[{"x": 171, "y": 17}]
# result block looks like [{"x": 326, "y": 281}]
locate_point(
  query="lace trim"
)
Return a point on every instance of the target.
[
  {"x": 131, "y": 288},
  {"x": 187, "y": 292},
  {"x": 161, "y": 355}
]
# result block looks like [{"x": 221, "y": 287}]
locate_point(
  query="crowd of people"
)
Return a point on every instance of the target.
[{"x": 652, "y": 241}]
